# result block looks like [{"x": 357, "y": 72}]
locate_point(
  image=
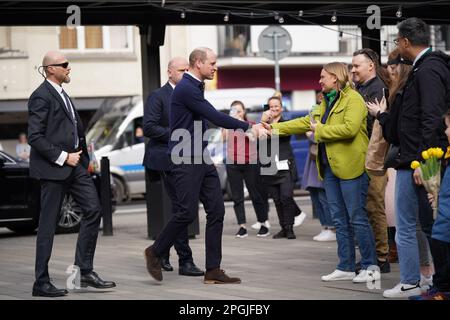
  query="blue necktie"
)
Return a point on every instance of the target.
[{"x": 72, "y": 117}]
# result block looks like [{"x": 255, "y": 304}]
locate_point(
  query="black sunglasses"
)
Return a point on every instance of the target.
[{"x": 64, "y": 65}]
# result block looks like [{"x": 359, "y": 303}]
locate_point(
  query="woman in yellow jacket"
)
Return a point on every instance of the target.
[{"x": 339, "y": 126}]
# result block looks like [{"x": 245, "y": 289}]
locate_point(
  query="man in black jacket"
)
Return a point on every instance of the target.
[
  {"x": 59, "y": 159},
  {"x": 157, "y": 158},
  {"x": 419, "y": 126}
]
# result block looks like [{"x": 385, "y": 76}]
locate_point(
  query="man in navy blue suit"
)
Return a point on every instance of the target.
[
  {"x": 195, "y": 178},
  {"x": 156, "y": 128}
]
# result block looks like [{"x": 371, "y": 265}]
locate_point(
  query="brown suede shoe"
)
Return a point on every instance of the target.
[
  {"x": 218, "y": 276},
  {"x": 153, "y": 264}
]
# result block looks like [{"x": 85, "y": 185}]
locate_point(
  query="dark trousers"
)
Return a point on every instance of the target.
[
  {"x": 283, "y": 197},
  {"x": 194, "y": 182},
  {"x": 181, "y": 243},
  {"x": 237, "y": 174},
  {"x": 441, "y": 259},
  {"x": 81, "y": 187}
]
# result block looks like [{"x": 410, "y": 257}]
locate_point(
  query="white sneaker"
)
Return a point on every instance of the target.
[
  {"x": 338, "y": 275},
  {"x": 425, "y": 283},
  {"x": 327, "y": 235},
  {"x": 298, "y": 220},
  {"x": 367, "y": 276},
  {"x": 319, "y": 235},
  {"x": 257, "y": 225},
  {"x": 402, "y": 290}
]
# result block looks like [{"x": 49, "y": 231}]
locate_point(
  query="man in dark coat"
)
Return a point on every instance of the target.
[{"x": 59, "y": 159}]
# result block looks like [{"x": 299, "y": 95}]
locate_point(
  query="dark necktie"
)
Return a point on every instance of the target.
[
  {"x": 202, "y": 86},
  {"x": 72, "y": 117}
]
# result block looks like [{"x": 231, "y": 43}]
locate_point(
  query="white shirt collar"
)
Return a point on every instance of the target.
[
  {"x": 420, "y": 55},
  {"x": 193, "y": 76},
  {"x": 56, "y": 86},
  {"x": 171, "y": 84}
]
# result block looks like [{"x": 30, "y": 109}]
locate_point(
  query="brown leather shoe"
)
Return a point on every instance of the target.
[
  {"x": 218, "y": 276},
  {"x": 153, "y": 264}
]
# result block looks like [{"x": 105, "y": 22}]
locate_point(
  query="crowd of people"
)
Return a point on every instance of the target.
[
  {"x": 370, "y": 124},
  {"x": 370, "y": 120}
]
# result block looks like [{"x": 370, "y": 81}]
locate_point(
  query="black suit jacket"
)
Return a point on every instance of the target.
[
  {"x": 156, "y": 128},
  {"x": 51, "y": 131}
]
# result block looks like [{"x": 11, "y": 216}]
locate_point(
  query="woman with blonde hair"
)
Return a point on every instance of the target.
[{"x": 339, "y": 126}]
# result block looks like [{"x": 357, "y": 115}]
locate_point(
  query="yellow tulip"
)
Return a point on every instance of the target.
[
  {"x": 439, "y": 153},
  {"x": 432, "y": 152},
  {"x": 425, "y": 154},
  {"x": 415, "y": 164}
]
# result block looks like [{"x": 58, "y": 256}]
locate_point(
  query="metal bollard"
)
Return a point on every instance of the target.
[{"x": 106, "y": 197}]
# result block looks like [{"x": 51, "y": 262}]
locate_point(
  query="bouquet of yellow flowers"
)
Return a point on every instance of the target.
[{"x": 430, "y": 173}]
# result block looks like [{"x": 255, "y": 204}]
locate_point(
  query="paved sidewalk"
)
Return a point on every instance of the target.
[{"x": 270, "y": 269}]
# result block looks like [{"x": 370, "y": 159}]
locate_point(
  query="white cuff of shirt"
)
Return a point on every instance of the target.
[{"x": 61, "y": 159}]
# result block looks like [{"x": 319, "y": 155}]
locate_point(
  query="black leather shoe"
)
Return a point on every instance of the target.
[
  {"x": 280, "y": 235},
  {"x": 290, "y": 233},
  {"x": 48, "y": 290},
  {"x": 93, "y": 280},
  {"x": 165, "y": 264},
  {"x": 190, "y": 269}
]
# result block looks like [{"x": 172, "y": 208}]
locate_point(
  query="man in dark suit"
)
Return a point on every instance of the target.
[
  {"x": 195, "y": 176},
  {"x": 156, "y": 128},
  {"x": 59, "y": 159}
]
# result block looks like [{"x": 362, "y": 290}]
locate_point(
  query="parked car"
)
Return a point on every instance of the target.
[{"x": 20, "y": 199}]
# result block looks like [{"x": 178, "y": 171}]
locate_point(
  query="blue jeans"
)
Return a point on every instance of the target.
[
  {"x": 347, "y": 201},
  {"x": 320, "y": 204},
  {"x": 407, "y": 209}
]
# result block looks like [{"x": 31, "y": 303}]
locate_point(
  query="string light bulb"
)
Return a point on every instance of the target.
[
  {"x": 226, "y": 18},
  {"x": 300, "y": 13},
  {"x": 183, "y": 14},
  {"x": 399, "y": 13},
  {"x": 334, "y": 17},
  {"x": 281, "y": 20},
  {"x": 276, "y": 16}
]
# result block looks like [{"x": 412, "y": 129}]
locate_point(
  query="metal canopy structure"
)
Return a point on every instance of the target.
[{"x": 200, "y": 12}]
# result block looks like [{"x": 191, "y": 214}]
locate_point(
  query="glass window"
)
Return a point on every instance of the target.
[
  {"x": 118, "y": 37},
  {"x": 93, "y": 37},
  {"x": 68, "y": 38},
  {"x": 96, "y": 38}
]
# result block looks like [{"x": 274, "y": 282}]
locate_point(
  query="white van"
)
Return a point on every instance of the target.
[{"x": 113, "y": 135}]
